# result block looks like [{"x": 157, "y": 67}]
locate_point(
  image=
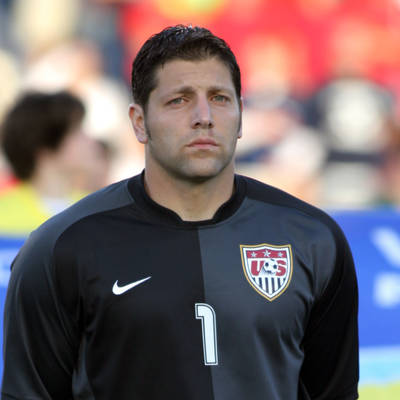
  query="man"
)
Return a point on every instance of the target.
[
  {"x": 186, "y": 282},
  {"x": 49, "y": 154}
]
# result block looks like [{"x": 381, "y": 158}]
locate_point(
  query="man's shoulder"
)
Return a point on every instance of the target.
[
  {"x": 36, "y": 256},
  {"x": 111, "y": 197},
  {"x": 270, "y": 195},
  {"x": 263, "y": 192}
]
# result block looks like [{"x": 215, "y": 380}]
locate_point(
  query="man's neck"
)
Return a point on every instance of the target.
[{"x": 192, "y": 201}]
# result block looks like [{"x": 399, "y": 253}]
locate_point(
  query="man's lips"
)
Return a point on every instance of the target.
[{"x": 203, "y": 143}]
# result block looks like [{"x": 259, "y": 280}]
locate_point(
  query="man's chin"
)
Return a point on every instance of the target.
[
  {"x": 200, "y": 178},
  {"x": 201, "y": 174}
]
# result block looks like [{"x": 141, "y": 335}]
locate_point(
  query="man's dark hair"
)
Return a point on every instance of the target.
[
  {"x": 37, "y": 121},
  {"x": 178, "y": 42}
]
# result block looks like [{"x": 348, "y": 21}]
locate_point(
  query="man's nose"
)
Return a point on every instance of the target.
[{"x": 202, "y": 114}]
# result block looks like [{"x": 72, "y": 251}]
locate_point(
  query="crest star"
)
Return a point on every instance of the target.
[
  {"x": 280, "y": 254},
  {"x": 253, "y": 254},
  {"x": 266, "y": 253}
]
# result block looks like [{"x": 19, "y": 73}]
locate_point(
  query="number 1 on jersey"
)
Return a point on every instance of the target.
[{"x": 209, "y": 329}]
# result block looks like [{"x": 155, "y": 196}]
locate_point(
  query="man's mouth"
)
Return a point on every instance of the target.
[{"x": 203, "y": 143}]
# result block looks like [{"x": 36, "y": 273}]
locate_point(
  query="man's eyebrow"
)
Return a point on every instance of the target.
[
  {"x": 183, "y": 89},
  {"x": 211, "y": 89},
  {"x": 214, "y": 89}
]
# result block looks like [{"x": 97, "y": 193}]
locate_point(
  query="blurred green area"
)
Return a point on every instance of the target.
[{"x": 380, "y": 392}]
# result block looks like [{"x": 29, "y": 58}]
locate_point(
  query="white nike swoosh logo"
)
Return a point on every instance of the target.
[{"x": 122, "y": 289}]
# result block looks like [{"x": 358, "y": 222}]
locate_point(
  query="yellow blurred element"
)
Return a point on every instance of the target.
[
  {"x": 380, "y": 392},
  {"x": 22, "y": 210},
  {"x": 189, "y": 8}
]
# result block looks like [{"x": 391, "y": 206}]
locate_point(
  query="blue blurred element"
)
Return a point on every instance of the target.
[
  {"x": 8, "y": 249},
  {"x": 374, "y": 238},
  {"x": 379, "y": 365}
]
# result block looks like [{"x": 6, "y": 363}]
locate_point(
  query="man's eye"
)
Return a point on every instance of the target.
[
  {"x": 178, "y": 100},
  {"x": 220, "y": 98}
]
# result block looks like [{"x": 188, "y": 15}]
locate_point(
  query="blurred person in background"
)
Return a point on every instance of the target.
[
  {"x": 278, "y": 149},
  {"x": 54, "y": 161},
  {"x": 77, "y": 65},
  {"x": 73, "y": 45},
  {"x": 352, "y": 112},
  {"x": 10, "y": 85},
  {"x": 391, "y": 168},
  {"x": 352, "y": 115}
]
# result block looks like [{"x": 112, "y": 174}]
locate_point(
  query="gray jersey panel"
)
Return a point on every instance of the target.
[{"x": 259, "y": 332}]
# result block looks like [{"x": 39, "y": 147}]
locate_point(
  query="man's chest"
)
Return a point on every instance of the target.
[{"x": 243, "y": 282}]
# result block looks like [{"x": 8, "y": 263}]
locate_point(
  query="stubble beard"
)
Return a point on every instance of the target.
[
  {"x": 192, "y": 168},
  {"x": 183, "y": 168}
]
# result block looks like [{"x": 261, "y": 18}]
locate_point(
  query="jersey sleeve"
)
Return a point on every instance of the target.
[
  {"x": 331, "y": 365},
  {"x": 41, "y": 339}
]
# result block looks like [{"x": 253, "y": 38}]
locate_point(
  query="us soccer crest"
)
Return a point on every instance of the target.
[{"x": 267, "y": 268}]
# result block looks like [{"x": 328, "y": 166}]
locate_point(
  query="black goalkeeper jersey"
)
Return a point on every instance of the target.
[{"x": 118, "y": 298}]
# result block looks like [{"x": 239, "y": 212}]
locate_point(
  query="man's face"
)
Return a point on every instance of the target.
[{"x": 193, "y": 120}]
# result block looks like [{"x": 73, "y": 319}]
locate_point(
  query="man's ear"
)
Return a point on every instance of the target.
[{"x": 136, "y": 115}]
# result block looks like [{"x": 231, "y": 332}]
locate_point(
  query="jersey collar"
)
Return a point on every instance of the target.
[{"x": 161, "y": 214}]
